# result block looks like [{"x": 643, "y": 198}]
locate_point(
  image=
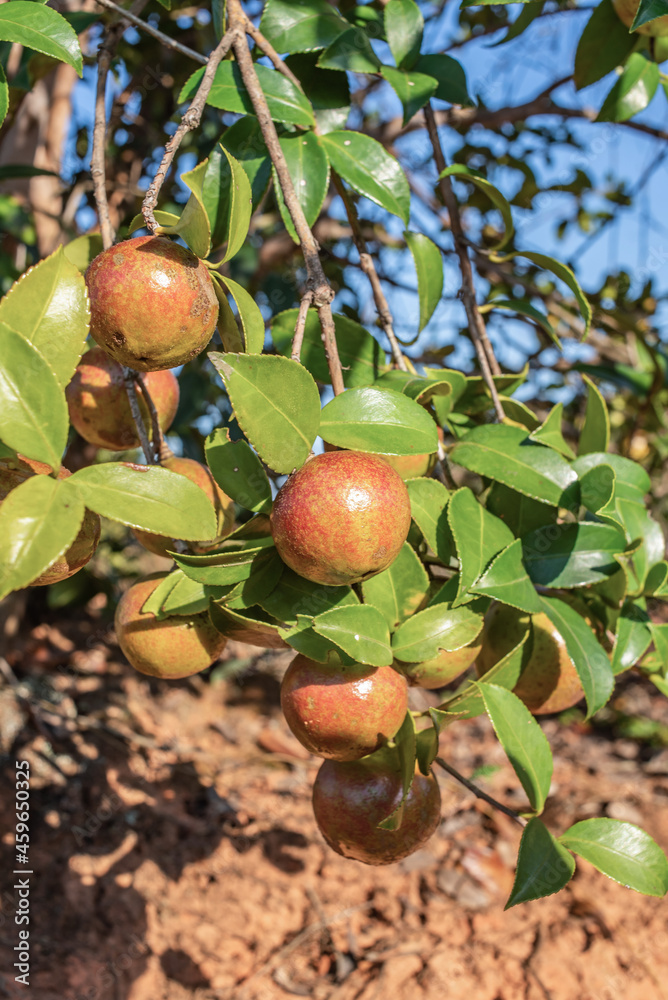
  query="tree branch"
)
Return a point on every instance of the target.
[
  {"x": 268, "y": 49},
  {"x": 298, "y": 339},
  {"x": 479, "y": 794},
  {"x": 150, "y": 30},
  {"x": 130, "y": 387}
]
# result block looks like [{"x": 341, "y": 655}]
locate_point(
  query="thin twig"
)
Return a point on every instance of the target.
[
  {"x": 368, "y": 266},
  {"x": 131, "y": 389},
  {"x": 150, "y": 30},
  {"x": 268, "y": 49},
  {"x": 189, "y": 121},
  {"x": 298, "y": 339},
  {"x": 317, "y": 283},
  {"x": 160, "y": 447},
  {"x": 479, "y": 794}
]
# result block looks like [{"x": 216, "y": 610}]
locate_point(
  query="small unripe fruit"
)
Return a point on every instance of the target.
[
  {"x": 98, "y": 401},
  {"x": 350, "y": 800},
  {"x": 178, "y": 646},
  {"x": 198, "y": 474},
  {"x": 15, "y": 472},
  {"x": 341, "y": 518},
  {"x": 343, "y": 712},
  {"x": 152, "y": 302},
  {"x": 443, "y": 668},
  {"x": 626, "y": 11},
  {"x": 549, "y": 681}
]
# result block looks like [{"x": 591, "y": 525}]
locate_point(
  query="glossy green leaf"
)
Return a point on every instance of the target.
[
  {"x": 40, "y": 28},
  {"x": 400, "y": 589},
  {"x": 154, "y": 602},
  {"x": 544, "y": 866},
  {"x": 550, "y": 434},
  {"x": 429, "y": 267},
  {"x": 362, "y": 357},
  {"x": 250, "y": 317},
  {"x": 245, "y": 143},
  {"x": 519, "y": 413},
  {"x": 633, "y": 91},
  {"x": 506, "y": 454},
  {"x": 305, "y": 640},
  {"x": 405, "y": 752},
  {"x": 265, "y": 573},
  {"x": 378, "y": 420},
  {"x": 4, "y": 96},
  {"x": 589, "y": 658},
  {"x": 361, "y": 631},
  {"x": 162, "y": 218},
  {"x": 286, "y": 103},
  {"x": 522, "y": 514},
  {"x": 523, "y": 741},
  {"x": 507, "y": 581},
  {"x": 572, "y": 555},
  {"x": 621, "y": 851},
  {"x": 633, "y": 636},
  {"x": 296, "y": 596},
  {"x": 429, "y": 500},
  {"x": 231, "y": 565},
  {"x": 595, "y": 433},
  {"x": 647, "y": 11},
  {"x": 302, "y": 26},
  {"x": 328, "y": 91},
  {"x": 403, "y": 27},
  {"x": 467, "y": 703},
  {"x": 412, "y": 89},
  {"x": 564, "y": 274},
  {"x": 441, "y": 387},
  {"x": 478, "y": 535},
  {"x": 276, "y": 403},
  {"x": 597, "y": 488},
  {"x": 497, "y": 199},
  {"x": 604, "y": 44},
  {"x": 476, "y": 398},
  {"x": 308, "y": 167},
  {"x": 252, "y": 626},
  {"x": 238, "y": 471},
  {"x": 227, "y": 200},
  {"x": 435, "y": 628},
  {"x": 638, "y": 523},
  {"x": 147, "y": 497},
  {"x": 450, "y": 75},
  {"x": 350, "y": 52},
  {"x": 82, "y": 250},
  {"x": 33, "y": 412},
  {"x": 369, "y": 169},
  {"x": 39, "y": 520},
  {"x": 48, "y": 306},
  {"x": 523, "y": 307},
  {"x": 194, "y": 226},
  {"x": 632, "y": 480}
]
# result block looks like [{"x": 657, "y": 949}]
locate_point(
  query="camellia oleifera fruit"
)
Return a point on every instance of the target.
[
  {"x": 176, "y": 646},
  {"x": 343, "y": 712},
  {"x": 407, "y": 466},
  {"x": 198, "y": 474},
  {"x": 443, "y": 668},
  {"x": 350, "y": 800},
  {"x": 13, "y": 472},
  {"x": 626, "y": 11},
  {"x": 341, "y": 518},
  {"x": 98, "y": 401},
  {"x": 153, "y": 305},
  {"x": 549, "y": 681}
]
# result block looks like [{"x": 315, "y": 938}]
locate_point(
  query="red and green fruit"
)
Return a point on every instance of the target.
[
  {"x": 441, "y": 669},
  {"x": 176, "y": 646},
  {"x": 350, "y": 800},
  {"x": 549, "y": 681},
  {"x": 343, "y": 712},
  {"x": 99, "y": 407},
  {"x": 152, "y": 302},
  {"x": 341, "y": 518},
  {"x": 12, "y": 474},
  {"x": 626, "y": 11}
]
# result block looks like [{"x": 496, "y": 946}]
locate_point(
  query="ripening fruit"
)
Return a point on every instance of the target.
[
  {"x": 349, "y": 800},
  {"x": 343, "y": 712},
  {"x": 549, "y": 681},
  {"x": 99, "y": 407},
  {"x": 153, "y": 305},
  {"x": 626, "y": 11},
  {"x": 15, "y": 472},
  {"x": 198, "y": 474},
  {"x": 178, "y": 646},
  {"x": 341, "y": 518},
  {"x": 441, "y": 669},
  {"x": 407, "y": 466}
]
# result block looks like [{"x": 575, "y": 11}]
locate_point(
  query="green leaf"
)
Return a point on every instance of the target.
[
  {"x": 403, "y": 26},
  {"x": 296, "y": 596},
  {"x": 595, "y": 434},
  {"x": 572, "y": 555},
  {"x": 361, "y": 631},
  {"x": 406, "y": 748},
  {"x": 543, "y": 865},
  {"x": 478, "y": 535},
  {"x": 527, "y": 15},
  {"x": 153, "y": 604},
  {"x": 507, "y": 581},
  {"x": 443, "y": 388},
  {"x": 604, "y": 44},
  {"x": 523, "y": 741},
  {"x": 621, "y": 851},
  {"x": 227, "y": 200},
  {"x": 231, "y": 565},
  {"x": 520, "y": 513},
  {"x": 649, "y": 10},
  {"x": 429, "y": 500},
  {"x": 498, "y": 200},
  {"x": 523, "y": 307},
  {"x": 450, "y": 75},
  {"x": 633, "y": 636},
  {"x": 252, "y": 626},
  {"x": 467, "y": 703},
  {"x": 147, "y": 497},
  {"x": 476, "y": 398},
  {"x": 350, "y": 51},
  {"x": 82, "y": 250},
  {"x": 400, "y": 589},
  {"x": 638, "y": 523},
  {"x": 4, "y": 96},
  {"x": 369, "y": 169},
  {"x": 286, "y": 103},
  {"x": 306, "y": 641},
  {"x": 48, "y": 306},
  {"x": 194, "y": 226},
  {"x": 378, "y": 420},
  {"x": 549, "y": 432},
  {"x": 42, "y": 29},
  {"x": 238, "y": 471},
  {"x": 266, "y": 568},
  {"x": 362, "y": 357},
  {"x": 33, "y": 412},
  {"x": 506, "y": 454},
  {"x": 632, "y": 480},
  {"x": 162, "y": 218},
  {"x": 218, "y": 17},
  {"x": 252, "y": 321},
  {"x": 39, "y": 520},
  {"x": 436, "y": 628},
  {"x": 589, "y": 659},
  {"x": 412, "y": 89},
  {"x": 308, "y": 167},
  {"x": 244, "y": 142},
  {"x": 276, "y": 403},
  {"x": 304, "y": 26},
  {"x": 633, "y": 91},
  {"x": 564, "y": 274},
  {"x": 429, "y": 267},
  {"x": 328, "y": 91}
]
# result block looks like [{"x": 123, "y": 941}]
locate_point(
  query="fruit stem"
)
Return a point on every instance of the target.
[
  {"x": 479, "y": 794},
  {"x": 298, "y": 339},
  {"x": 130, "y": 387}
]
